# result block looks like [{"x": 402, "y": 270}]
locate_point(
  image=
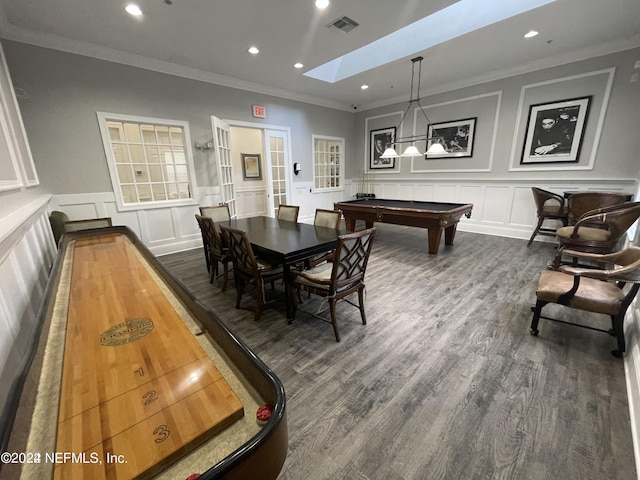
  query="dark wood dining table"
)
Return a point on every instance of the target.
[{"x": 288, "y": 243}]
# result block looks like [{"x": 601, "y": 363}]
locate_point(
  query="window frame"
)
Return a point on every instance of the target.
[
  {"x": 104, "y": 118},
  {"x": 342, "y": 166}
]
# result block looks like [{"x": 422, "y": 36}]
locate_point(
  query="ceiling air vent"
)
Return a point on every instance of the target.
[{"x": 342, "y": 25}]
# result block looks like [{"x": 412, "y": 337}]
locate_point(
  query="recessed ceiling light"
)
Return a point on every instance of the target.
[
  {"x": 133, "y": 9},
  {"x": 298, "y": 65},
  {"x": 322, "y": 4},
  {"x": 364, "y": 87},
  {"x": 530, "y": 34},
  {"x": 253, "y": 50}
]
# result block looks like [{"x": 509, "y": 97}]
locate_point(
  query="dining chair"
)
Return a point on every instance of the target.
[
  {"x": 86, "y": 224},
  {"x": 326, "y": 219},
  {"x": 593, "y": 290},
  {"x": 288, "y": 213},
  {"x": 216, "y": 251},
  {"x": 597, "y": 231},
  {"x": 249, "y": 269},
  {"x": 549, "y": 206},
  {"x": 334, "y": 281},
  {"x": 218, "y": 213}
]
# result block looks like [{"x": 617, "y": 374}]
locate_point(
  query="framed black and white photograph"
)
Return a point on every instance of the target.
[
  {"x": 554, "y": 131},
  {"x": 455, "y": 136},
  {"x": 378, "y": 142},
  {"x": 251, "y": 166}
]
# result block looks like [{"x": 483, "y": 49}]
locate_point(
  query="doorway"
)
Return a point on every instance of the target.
[{"x": 260, "y": 195}]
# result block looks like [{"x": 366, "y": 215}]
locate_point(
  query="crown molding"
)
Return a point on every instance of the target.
[{"x": 64, "y": 44}]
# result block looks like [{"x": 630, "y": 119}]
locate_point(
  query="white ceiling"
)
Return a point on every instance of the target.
[{"x": 208, "y": 40}]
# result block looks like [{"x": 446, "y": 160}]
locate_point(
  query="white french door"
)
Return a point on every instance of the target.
[
  {"x": 222, "y": 154},
  {"x": 277, "y": 164}
]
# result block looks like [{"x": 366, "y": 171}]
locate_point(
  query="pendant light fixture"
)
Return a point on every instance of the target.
[{"x": 411, "y": 150}]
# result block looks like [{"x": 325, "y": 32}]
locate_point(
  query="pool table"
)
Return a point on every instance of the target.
[{"x": 434, "y": 216}]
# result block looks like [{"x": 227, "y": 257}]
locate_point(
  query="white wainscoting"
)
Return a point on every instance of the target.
[
  {"x": 162, "y": 230},
  {"x": 251, "y": 202},
  {"x": 27, "y": 253},
  {"x": 501, "y": 208}
]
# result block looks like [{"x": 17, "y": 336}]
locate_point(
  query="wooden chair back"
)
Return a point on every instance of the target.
[
  {"x": 288, "y": 213},
  {"x": 327, "y": 218},
  {"x": 218, "y": 213},
  {"x": 583, "y": 202},
  {"x": 350, "y": 260}
]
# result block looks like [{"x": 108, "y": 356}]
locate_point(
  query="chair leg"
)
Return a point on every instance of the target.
[
  {"x": 618, "y": 327},
  {"x": 361, "y": 306},
  {"x": 535, "y": 231},
  {"x": 537, "y": 310},
  {"x": 225, "y": 268},
  {"x": 213, "y": 270},
  {"x": 334, "y": 323},
  {"x": 260, "y": 300},
  {"x": 239, "y": 291},
  {"x": 557, "y": 260}
]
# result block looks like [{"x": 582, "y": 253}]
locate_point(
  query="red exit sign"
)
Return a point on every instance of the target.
[{"x": 259, "y": 111}]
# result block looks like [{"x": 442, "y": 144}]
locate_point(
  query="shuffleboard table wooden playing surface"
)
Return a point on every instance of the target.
[{"x": 138, "y": 379}]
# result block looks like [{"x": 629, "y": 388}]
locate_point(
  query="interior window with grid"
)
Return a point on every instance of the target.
[
  {"x": 328, "y": 163},
  {"x": 148, "y": 160}
]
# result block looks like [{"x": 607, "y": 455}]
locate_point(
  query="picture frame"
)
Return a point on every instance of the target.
[
  {"x": 251, "y": 166},
  {"x": 555, "y": 131},
  {"x": 379, "y": 140},
  {"x": 456, "y": 136}
]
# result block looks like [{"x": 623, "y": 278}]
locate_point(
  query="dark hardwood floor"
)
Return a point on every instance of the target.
[{"x": 445, "y": 381}]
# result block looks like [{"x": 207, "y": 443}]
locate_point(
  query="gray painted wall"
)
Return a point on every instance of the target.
[{"x": 65, "y": 91}]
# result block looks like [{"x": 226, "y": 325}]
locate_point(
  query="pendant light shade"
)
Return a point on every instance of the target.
[
  {"x": 389, "y": 153},
  {"x": 436, "y": 148},
  {"x": 411, "y": 151}
]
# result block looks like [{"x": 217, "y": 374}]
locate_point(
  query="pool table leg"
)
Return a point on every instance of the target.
[
  {"x": 434, "y": 234},
  {"x": 449, "y": 234},
  {"x": 350, "y": 223}
]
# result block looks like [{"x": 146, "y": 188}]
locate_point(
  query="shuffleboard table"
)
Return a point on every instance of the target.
[
  {"x": 436, "y": 217},
  {"x": 135, "y": 378}
]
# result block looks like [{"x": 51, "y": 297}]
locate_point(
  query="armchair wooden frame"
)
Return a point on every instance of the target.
[
  {"x": 597, "y": 231},
  {"x": 597, "y": 295},
  {"x": 339, "y": 278},
  {"x": 549, "y": 206}
]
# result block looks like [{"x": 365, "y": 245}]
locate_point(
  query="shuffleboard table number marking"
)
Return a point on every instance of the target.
[
  {"x": 162, "y": 433},
  {"x": 139, "y": 372},
  {"x": 150, "y": 396},
  {"x": 126, "y": 332}
]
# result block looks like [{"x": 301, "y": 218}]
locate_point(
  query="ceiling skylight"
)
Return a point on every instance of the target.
[{"x": 437, "y": 28}]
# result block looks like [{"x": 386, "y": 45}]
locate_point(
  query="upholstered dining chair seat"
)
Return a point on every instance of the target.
[
  {"x": 592, "y": 295},
  {"x": 585, "y": 233},
  {"x": 318, "y": 277}
]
